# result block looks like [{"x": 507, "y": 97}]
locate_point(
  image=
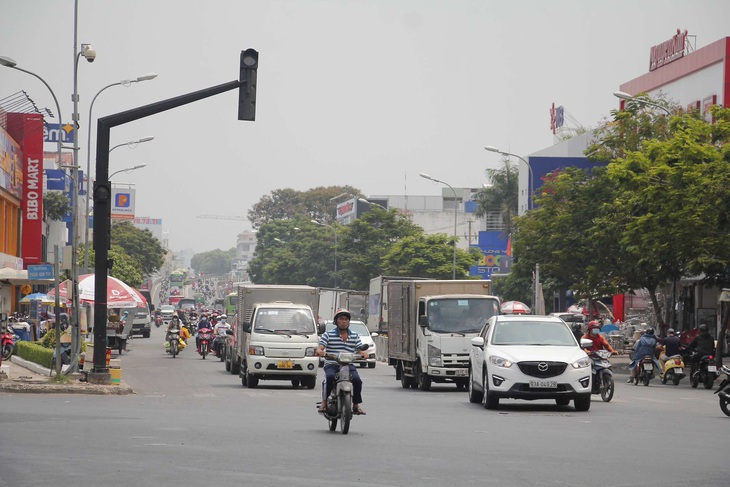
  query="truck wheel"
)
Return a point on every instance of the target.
[
  {"x": 251, "y": 381},
  {"x": 423, "y": 380},
  {"x": 235, "y": 366},
  {"x": 309, "y": 382},
  {"x": 227, "y": 362}
]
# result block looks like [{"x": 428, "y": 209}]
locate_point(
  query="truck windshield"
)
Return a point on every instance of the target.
[
  {"x": 465, "y": 315},
  {"x": 284, "y": 320}
]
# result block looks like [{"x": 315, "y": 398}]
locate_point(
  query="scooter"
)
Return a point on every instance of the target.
[
  {"x": 673, "y": 370},
  {"x": 339, "y": 402},
  {"x": 602, "y": 375},
  {"x": 219, "y": 347},
  {"x": 8, "y": 344},
  {"x": 174, "y": 341},
  {"x": 204, "y": 339},
  {"x": 706, "y": 373},
  {"x": 645, "y": 370},
  {"x": 724, "y": 391}
]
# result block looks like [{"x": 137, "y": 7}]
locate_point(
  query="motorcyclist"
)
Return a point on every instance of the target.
[
  {"x": 202, "y": 324},
  {"x": 672, "y": 346},
  {"x": 646, "y": 345},
  {"x": 703, "y": 344},
  {"x": 173, "y": 326},
  {"x": 599, "y": 341},
  {"x": 341, "y": 339},
  {"x": 577, "y": 331},
  {"x": 220, "y": 331}
]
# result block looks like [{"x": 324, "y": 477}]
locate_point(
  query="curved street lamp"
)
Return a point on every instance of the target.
[
  {"x": 529, "y": 169},
  {"x": 625, "y": 96},
  {"x": 128, "y": 169},
  {"x": 456, "y": 206}
]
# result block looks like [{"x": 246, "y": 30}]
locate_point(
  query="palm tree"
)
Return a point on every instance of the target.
[{"x": 501, "y": 196}]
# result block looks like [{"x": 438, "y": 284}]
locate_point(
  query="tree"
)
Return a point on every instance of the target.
[
  {"x": 214, "y": 262},
  {"x": 501, "y": 196},
  {"x": 287, "y": 204},
  {"x": 429, "y": 256},
  {"x": 141, "y": 245},
  {"x": 56, "y": 205},
  {"x": 124, "y": 268}
]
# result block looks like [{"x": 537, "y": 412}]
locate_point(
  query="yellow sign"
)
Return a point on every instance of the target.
[{"x": 25, "y": 289}]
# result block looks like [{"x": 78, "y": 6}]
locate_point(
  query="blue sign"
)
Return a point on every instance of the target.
[
  {"x": 40, "y": 271},
  {"x": 52, "y": 132},
  {"x": 55, "y": 179}
]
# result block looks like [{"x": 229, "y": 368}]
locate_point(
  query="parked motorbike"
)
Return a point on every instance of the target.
[
  {"x": 602, "y": 374},
  {"x": 706, "y": 373},
  {"x": 8, "y": 344},
  {"x": 645, "y": 370},
  {"x": 673, "y": 370},
  {"x": 205, "y": 338},
  {"x": 339, "y": 402},
  {"x": 724, "y": 391}
]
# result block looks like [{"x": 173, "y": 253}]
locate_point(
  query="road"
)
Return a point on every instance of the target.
[{"x": 192, "y": 423}]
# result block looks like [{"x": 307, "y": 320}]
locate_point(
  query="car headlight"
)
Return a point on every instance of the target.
[
  {"x": 581, "y": 363},
  {"x": 255, "y": 350},
  {"x": 434, "y": 356},
  {"x": 500, "y": 361},
  {"x": 309, "y": 352}
]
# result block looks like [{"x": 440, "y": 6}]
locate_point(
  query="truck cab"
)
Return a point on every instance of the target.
[{"x": 278, "y": 343}]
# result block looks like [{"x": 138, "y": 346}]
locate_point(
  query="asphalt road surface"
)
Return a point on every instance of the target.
[{"x": 191, "y": 423}]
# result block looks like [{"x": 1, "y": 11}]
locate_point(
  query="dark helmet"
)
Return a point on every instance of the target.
[
  {"x": 576, "y": 327},
  {"x": 650, "y": 331},
  {"x": 342, "y": 311},
  {"x": 703, "y": 328}
]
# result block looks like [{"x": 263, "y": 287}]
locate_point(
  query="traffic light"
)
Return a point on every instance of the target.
[{"x": 247, "y": 90}]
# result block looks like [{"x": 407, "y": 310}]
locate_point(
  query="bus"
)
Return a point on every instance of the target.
[{"x": 231, "y": 300}]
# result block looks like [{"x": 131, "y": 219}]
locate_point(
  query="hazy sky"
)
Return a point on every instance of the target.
[{"x": 365, "y": 93}]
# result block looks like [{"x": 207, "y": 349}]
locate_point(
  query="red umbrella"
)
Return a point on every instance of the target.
[
  {"x": 119, "y": 294},
  {"x": 515, "y": 308}
]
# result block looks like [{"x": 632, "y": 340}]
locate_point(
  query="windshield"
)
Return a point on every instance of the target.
[
  {"x": 532, "y": 333},
  {"x": 275, "y": 320},
  {"x": 356, "y": 326},
  {"x": 460, "y": 315}
]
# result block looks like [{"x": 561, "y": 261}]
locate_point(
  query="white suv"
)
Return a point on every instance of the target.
[{"x": 528, "y": 357}]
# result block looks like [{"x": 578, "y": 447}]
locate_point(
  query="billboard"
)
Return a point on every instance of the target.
[
  {"x": 11, "y": 170},
  {"x": 494, "y": 259},
  {"x": 122, "y": 203}
]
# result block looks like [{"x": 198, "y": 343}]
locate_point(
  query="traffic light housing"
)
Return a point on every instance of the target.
[{"x": 247, "y": 89}]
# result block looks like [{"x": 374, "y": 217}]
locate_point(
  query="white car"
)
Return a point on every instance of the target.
[
  {"x": 528, "y": 357},
  {"x": 166, "y": 311},
  {"x": 365, "y": 336}
]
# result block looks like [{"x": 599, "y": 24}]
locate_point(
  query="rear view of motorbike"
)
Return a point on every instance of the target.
[{"x": 724, "y": 391}]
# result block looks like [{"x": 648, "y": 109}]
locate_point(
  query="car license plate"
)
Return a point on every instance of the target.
[
  {"x": 543, "y": 384},
  {"x": 462, "y": 373},
  {"x": 678, "y": 371},
  {"x": 284, "y": 364},
  {"x": 648, "y": 367},
  {"x": 711, "y": 368}
]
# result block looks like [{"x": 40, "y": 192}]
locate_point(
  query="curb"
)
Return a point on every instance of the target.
[{"x": 45, "y": 386}]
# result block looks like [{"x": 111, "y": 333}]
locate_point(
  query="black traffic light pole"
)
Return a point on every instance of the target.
[{"x": 103, "y": 193}]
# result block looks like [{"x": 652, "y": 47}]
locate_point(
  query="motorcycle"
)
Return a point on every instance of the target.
[
  {"x": 219, "y": 347},
  {"x": 602, "y": 375},
  {"x": 723, "y": 391},
  {"x": 705, "y": 373},
  {"x": 673, "y": 370},
  {"x": 339, "y": 402},
  {"x": 8, "y": 344},
  {"x": 645, "y": 370},
  {"x": 174, "y": 341},
  {"x": 204, "y": 339}
]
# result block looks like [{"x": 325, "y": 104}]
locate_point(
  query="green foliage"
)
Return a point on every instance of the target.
[
  {"x": 56, "y": 205},
  {"x": 140, "y": 245},
  {"x": 289, "y": 204},
  {"x": 213, "y": 263},
  {"x": 501, "y": 196},
  {"x": 428, "y": 256},
  {"x": 49, "y": 340},
  {"x": 125, "y": 267},
  {"x": 34, "y": 352}
]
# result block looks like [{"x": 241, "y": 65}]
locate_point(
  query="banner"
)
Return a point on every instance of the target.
[{"x": 122, "y": 203}]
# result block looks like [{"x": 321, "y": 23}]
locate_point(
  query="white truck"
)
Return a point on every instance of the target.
[
  {"x": 430, "y": 325},
  {"x": 377, "y": 319},
  {"x": 331, "y": 299},
  {"x": 276, "y": 334}
]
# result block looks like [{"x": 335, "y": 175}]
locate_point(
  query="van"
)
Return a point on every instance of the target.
[{"x": 141, "y": 322}]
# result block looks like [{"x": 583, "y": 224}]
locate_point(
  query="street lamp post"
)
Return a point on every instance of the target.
[
  {"x": 625, "y": 96},
  {"x": 10, "y": 63},
  {"x": 456, "y": 206},
  {"x": 335, "y": 231},
  {"x": 529, "y": 169}
]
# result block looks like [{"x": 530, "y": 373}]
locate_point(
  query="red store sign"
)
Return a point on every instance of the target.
[{"x": 668, "y": 51}]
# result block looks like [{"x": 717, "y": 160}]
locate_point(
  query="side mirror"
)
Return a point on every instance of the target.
[
  {"x": 374, "y": 334},
  {"x": 363, "y": 347},
  {"x": 229, "y": 332},
  {"x": 247, "y": 326},
  {"x": 423, "y": 321},
  {"x": 477, "y": 342},
  {"x": 321, "y": 328},
  {"x": 585, "y": 343}
]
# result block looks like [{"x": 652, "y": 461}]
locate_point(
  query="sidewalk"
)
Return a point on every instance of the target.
[{"x": 29, "y": 377}]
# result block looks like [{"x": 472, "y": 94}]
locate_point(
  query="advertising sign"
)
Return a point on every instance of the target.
[
  {"x": 122, "y": 203},
  {"x": 40, "y": 271},
  {"x": 11, "y": 170},
  {"x": 493, "y": 246},
  {"x": 52, "y": 131}
]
